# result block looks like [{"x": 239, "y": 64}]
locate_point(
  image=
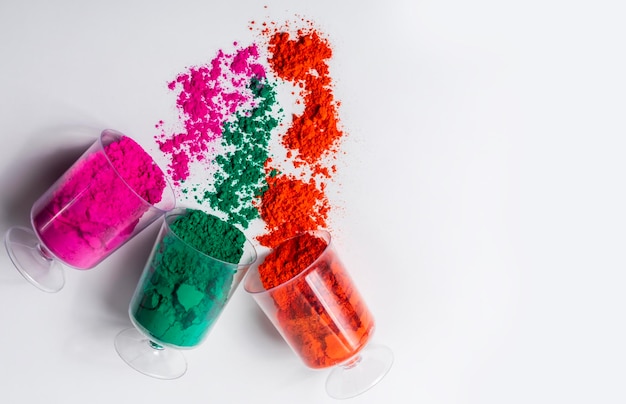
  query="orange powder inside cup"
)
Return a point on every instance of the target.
[{"x": 319, "y": 311}]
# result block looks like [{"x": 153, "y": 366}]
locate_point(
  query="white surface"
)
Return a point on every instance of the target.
[{"x": 484, "y": 196}]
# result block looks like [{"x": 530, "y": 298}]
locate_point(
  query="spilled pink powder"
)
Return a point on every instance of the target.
[
  {"x": 93, "y": 210},
  {"x": 207, "y": 96}
]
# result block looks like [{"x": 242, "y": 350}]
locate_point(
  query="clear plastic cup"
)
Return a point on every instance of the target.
[
  {"x": 90, "y": 211},
  {"x": 181, "y": 294},
  {"x": 322, "y": 316}
]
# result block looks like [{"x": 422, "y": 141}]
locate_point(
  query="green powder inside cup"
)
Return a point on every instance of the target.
[{"x": 189, "y": 279}]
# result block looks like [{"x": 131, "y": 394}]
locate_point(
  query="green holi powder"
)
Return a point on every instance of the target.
[
  {"x": 184, "y": 291},
  {"x": 240, "y": 176},
  {"x": 210, "y": 235}
]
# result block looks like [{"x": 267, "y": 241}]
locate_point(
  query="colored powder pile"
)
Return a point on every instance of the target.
[
  {"x": 189, "y": 279},
  {"x": 321, "y": 314},
  {"x": 210, "y": 235},
  {"x": 291, "y": 206},
  {"x": 295, "y": 202},
  {"x": 207, "y": 96},
  {"x": 303, "y": 60},
  {"x": 137, "y": 168},
  {"x": 231, "y": 121},
  {"x": 98, "y": 203},
  {"x": 240, "y": 178}
]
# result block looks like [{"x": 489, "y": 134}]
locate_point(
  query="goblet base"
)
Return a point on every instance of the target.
[
  {"x": 32, "y": 260},
  {"x": 148, "y": 357},
  {"x": 360, "y": 373}
]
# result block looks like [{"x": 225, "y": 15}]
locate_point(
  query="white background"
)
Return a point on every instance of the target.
[{"x": 484, "y": 217}]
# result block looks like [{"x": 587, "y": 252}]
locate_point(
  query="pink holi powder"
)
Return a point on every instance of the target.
[
  {"x": 208, "y": 96},
  {"x": 97, "y": 205}
]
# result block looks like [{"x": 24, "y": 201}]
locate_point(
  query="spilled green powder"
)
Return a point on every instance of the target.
[
  {"x": 183, "y": 292},
  {"x": 240, "y": 176}
]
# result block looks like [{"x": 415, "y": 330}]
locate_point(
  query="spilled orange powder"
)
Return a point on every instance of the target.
[{"x": 295, "y": 203}]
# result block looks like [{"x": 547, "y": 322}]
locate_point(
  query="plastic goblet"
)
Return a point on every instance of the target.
[
  {"x": 195, "y": 266},
  {"x": 306, "y": 292},
  {"x": 111, "y": 193}
]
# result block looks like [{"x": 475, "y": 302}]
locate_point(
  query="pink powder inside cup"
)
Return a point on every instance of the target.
[{"x": 96, "y": 206}]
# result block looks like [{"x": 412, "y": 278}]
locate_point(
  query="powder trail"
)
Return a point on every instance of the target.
[
  {"x": 296, "y": 201},
  {"x": 240, "y": 178}
]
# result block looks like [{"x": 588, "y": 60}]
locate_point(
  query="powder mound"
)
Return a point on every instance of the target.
[
  {"x": 210, "y": 235},
  {"x": 289, "y": 259},
  {"x": 297, "y": 202},
  {"x": 299, "y": 58},
  {"x": 137, "y": 168},
  {"x": 240, "y": 175},
  {"x": 290, "y": 206},
  {"x": 303, "y": 60}
]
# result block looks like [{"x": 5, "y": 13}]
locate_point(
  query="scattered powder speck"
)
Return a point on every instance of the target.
[{"x": 289, "y": 206}]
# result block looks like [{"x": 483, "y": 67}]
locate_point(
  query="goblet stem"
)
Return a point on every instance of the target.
[
  {"x": 33, "y": 260},
  {"x": 156, "y": 346},
  {"x": 44, "y": 252},
  {"x": 360, "y": 373},
  {"x": 352, "y": 362},
  {"x": 149, "y": 357}
]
